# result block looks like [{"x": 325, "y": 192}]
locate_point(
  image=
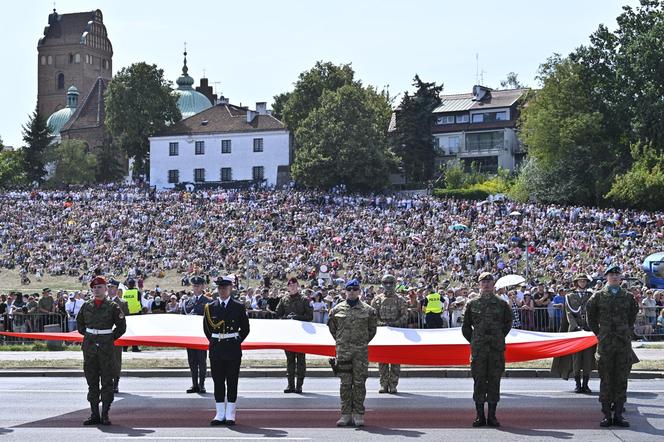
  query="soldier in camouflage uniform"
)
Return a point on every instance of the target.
[
  {"x": 295, "y": 306},
  {"x": 95, "y": 322},
  {"x": 486, "y": 322},
  {"x": 392, "y": 311},
  {"x": 353, "y": 325},
  {"x": 611, "y": 316}
]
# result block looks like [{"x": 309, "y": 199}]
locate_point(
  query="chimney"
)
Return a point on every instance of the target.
[
  {"x": 261, "y": 108},
  {"x": 250, "y": 115}
]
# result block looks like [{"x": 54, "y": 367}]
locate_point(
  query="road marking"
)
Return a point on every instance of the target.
[
  {"x": 304, "y": 396},
  {"x": 203, "y": 438}
]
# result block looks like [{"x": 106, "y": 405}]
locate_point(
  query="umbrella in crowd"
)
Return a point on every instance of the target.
[
  {"x": 457, "y": 227},
  {"x": 509, "y": 280}
]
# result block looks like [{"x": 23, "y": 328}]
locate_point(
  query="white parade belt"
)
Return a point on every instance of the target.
[
  {"x": 221, "y": 336},
  {"x": 95, "y": 331}
]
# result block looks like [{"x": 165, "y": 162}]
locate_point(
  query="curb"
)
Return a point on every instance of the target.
[{"x": 278, "y": 372}]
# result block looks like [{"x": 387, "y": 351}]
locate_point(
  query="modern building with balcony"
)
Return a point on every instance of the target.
[{"x": 480, "y": 128}]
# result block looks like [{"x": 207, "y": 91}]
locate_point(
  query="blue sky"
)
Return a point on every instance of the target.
[{"x": 256, "y": 49}]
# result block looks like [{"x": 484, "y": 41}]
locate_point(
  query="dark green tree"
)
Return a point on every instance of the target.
[
  {"x": 344, "y": 141},
  {"x": 111, "y": 161},
  {"x": 11, "y": 167},
  {"x": 37, "y": 137},
  {"x": 643, "y": 185},
  {"x": 293, "y": 107},
  {"x": 412, "y": 140},
  {"x": 73, "y": 164},
  {"x": 512, "y": 82},
  {"x": 139, "y": 103}
]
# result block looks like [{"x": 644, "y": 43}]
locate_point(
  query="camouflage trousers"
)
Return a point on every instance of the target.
[
  {"x": 296, "y": 364},
  {"x": 117, "y": 362},
  {"x": 614, "y": 362},
  {"x": 487, "y": 366},
  {"x": 99, "y": 367},
  {"x": 353, "y": 369},
  {"x": 389, "y": 375}
]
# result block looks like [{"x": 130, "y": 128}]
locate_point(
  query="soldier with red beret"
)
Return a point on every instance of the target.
[{"x": 101, "y": 322}]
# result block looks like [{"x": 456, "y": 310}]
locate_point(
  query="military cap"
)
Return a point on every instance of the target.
[
  {"x": 198, "y": 280},
  {"x": 388, "y": 279},
  {"x": 612, "y": 269},
  {"x": 97, "y": 280},
  {"x": 46, "y": 289},
  {"x": 580, "y": 276},
  {"x": 485, "y": 275},
  {"x": 224, "y": 281},
  {"x": 114, "y": 282},
  {"x": 352, "y": 283}
]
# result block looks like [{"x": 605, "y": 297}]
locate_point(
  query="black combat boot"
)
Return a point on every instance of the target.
[
  {"x": 291, "y": 385},
  {"x": 585, "y": 389},
  {"x": 201, "y": 386},
  {"x": 617, "y": 415},
  {"x": 491, "y": 418},
  {"x": 94, "y": 416},
  {"x": 194, "y": 384},
  {"x": 298, "y": 387},
  {"x": 480, "y": 420},
  {"x": 105, "y": 406},
  {"x": 606, "y": 410},
  {"x": 578, "y": 388}
]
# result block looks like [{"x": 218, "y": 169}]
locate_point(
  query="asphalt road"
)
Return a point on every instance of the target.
[{"x": 45, "y": 409}]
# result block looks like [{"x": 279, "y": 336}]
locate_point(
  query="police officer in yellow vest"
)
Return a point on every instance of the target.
[
  {"x": 433, "y": 308},
  {"x": 134, "y": 300}
]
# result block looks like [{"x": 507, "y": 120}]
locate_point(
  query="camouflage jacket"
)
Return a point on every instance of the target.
[
  {"x": 352, "y": 327},
  {"x": 298, "y": 305},
  {"x": 391, "y": 309},
  {"x": 102, "y": 318},
  {"x": 486, "y": 322},
  {"x": 611, "y": 317}
]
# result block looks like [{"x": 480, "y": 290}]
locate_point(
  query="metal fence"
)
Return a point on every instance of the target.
[{"x": 20, "y": 322}]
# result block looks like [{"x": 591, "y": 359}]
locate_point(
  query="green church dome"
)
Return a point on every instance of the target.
[
  {"x": 59, "y": 118},
  {"x": 190, "y": 101}
]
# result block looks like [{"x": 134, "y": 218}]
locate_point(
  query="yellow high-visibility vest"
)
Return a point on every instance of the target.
[
  {"x": 134, "y": 304},
  {"x": 434, "y": 305}
]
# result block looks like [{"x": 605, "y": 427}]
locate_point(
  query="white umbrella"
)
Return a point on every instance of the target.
[
  {"x": 509, "y": 280},
  {"x": 515, "y": 213}
]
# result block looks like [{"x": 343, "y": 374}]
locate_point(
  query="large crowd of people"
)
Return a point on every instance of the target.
[{"x": 266, "y": 237}]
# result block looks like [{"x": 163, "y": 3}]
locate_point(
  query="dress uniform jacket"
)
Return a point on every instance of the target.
[{"x": 231, "y": 319}]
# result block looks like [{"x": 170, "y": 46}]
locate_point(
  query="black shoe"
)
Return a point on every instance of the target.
[
  {"x": 618, "y": 420},
  {"x": 585, "y": 389},
  {"x": 289, "y": 389},
  {"x": 578, "y": 388},
  {"x": 480, "y": 420},
  {"x": 229, "y": 423},
  {"x": 202, "y": 390},
  {"x": 104, "y": 420},
  {"x": 383, "y": 390},
  {"x": 393, "y": 390},
  {"x": 491, "y": 418},
  {"x": 92, "y": 420},
  {"x": 194, "y": 389},
  {"x": 215, "y": 422},
  {"x": 298, "y": 390}
]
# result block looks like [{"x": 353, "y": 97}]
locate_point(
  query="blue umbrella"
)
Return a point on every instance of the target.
[{"x": 458, "y": 227}]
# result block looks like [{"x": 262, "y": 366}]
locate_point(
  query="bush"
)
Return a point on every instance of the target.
[{"x": 475, "y": 194}]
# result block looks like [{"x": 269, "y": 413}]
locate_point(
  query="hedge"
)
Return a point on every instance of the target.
[{"x": 463, "y": 194}]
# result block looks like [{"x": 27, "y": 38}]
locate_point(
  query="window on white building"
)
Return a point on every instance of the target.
[
  {"x": 226, "y": 174},
  {"x": 462, "y": 118},
  {"x": 174, "y": 176},
  {"x": 453, "y": 143},
  {"x": 199, "y": 148},
  {"x": 258, "y": 173},
  {"x": 445, "y": 119},
  {"x": 258, "y": 145},
  {"x": 199, "y": 175},
  {"x": 173, "y": 149},
  {"x": 225, "y": 146},
  {"x": 489, "y": 117}
]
